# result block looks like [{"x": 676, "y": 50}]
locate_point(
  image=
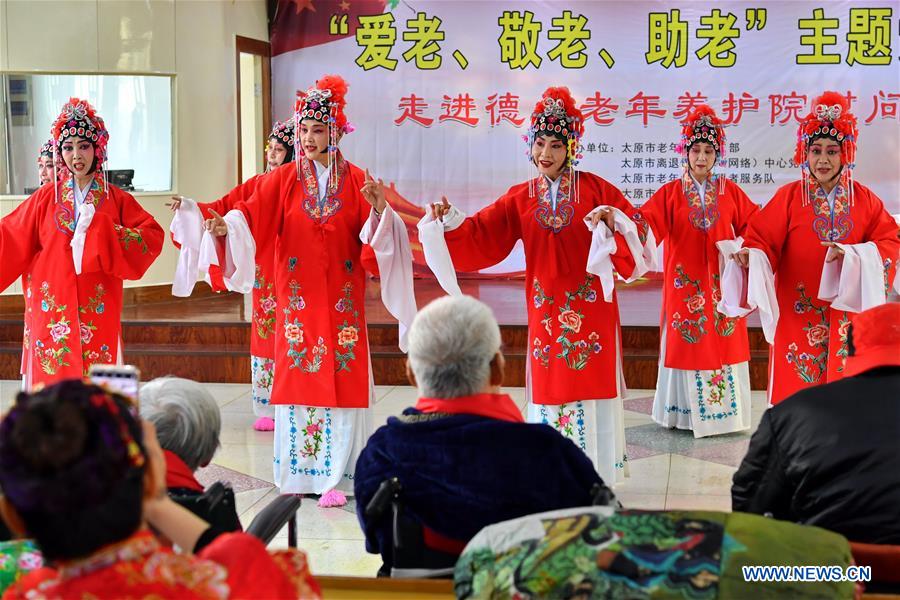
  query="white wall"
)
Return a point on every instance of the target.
[{"x": 192, "y": 39}]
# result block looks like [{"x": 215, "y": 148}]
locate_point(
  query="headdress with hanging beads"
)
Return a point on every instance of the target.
[
  {"x": 557, "y": 115},
  {"x": 702, "y": 125},
  {"x": 829, "y": 118},
  {"x": 79, "y": 119},
  {"x": 325, "y": 103}
]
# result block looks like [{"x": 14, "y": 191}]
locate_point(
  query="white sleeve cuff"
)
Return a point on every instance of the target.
[
  {"x": 855, "y": 281},
  {"x": 437, "y": 255},
  {"x": 390, "y": 242},
  {"x": 239, "y": 270},
  {"x": 603, "y": 246},
  {"x": 187, "y": 231},
  {"x": 744, "y": 291}
]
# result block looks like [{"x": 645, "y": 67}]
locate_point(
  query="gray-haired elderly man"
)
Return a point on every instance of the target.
[
  {"x": 188, "y": 424},
  {"x": 464, "y": 455}
]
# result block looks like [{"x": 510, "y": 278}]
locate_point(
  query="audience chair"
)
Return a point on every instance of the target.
[
  {"x": 279, "y": 512},
  {"x": 885, "y": 562},
  {"x": 418, "y": 551}
]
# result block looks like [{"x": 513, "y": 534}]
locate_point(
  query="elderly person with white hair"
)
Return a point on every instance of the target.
[
  {"x": 188, "y": 424},
  {"x": 464, "y": 455}
]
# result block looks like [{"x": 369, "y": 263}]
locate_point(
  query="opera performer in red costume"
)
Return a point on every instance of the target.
[
  {"x": 187, "y": 230},
  {"x": 576, "y": 229},
  {"x": 75, "y": 240},
  {"x": 823, "y": 248},
  {"x": 46, "y": 174},
  {"x": 328, "y": 220},
  {"x": 45, "y": 162},
  {"x": 704, "y": 374}
]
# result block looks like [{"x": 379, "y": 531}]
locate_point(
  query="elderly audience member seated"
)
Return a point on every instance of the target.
[
  {"x": 830, "y": 455},
  {"x": 463, "y": 455},
  {"x": 86, "y": 480},
  {"x": 188, "y": 424}
]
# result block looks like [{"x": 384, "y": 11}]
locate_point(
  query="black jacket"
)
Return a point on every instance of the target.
[{"x": 830, "y": 456}]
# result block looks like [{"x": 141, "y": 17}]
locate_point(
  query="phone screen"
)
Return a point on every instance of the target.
[{"x": 121, "y": 379}]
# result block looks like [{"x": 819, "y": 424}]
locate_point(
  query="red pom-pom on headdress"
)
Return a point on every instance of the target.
[
  {"x": 829, "y": 117},
  {"x": 324, "y": 102},
  {"x": 557, "y": 107},
  {"x": 703, "y": 125}
]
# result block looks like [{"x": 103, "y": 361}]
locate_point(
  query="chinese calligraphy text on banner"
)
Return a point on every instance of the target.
[{"x": 441, "y": 91}]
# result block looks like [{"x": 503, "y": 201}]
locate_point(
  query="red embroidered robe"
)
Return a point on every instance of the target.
[
  {"x": 262, "y": 329},
  {"x": 698, "y": 337},
  {"x": 810, "y": 337},
  {"x": 573, "y": 332},
  {"x": 321, "y": 343},
  {"x": 234, "y": 565},
  {"x": 75, "y": 320}
]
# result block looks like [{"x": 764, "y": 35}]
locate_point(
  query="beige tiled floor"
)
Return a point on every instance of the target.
[{"x": 332, "y": 537}]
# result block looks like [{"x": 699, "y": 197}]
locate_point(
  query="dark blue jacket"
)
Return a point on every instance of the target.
[{"x": 462, "y": 472}]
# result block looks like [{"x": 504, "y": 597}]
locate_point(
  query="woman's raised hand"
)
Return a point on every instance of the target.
[
  {"x": 605, "y": 215},
  {"x": 373, "y": 192},
  {"x": 742, "y": 257},
  {"x": 834, "y": 252},
  {"x": 176, "y": 203},
  {"x": 216, "y": 225},
  {"x": 437, "y": 211}
]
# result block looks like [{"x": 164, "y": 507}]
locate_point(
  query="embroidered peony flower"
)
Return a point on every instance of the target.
[
  {"x": 312, "y": 429},
  {"x": 570, "y": 320},
  {"x": 348, "y": 335},
  {"x": 564, "y": 420},
  {"x": 696, "y": 303},
  {"x": 717, "y": 379},
  {"x": 293, "y": 333},
  {"x": 817, "y": 335},
  {"x": 59, "y": 331},
  {"x": 267, "y": 304},
  {"x": 86, "y": 334}
]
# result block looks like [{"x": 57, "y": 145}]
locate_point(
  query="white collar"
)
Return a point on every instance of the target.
[
  {"x": 701, "y": 187},
  {"x": 79, "y": 194},
  {"x": 322, "y": 175},
  {"x": 554, "y": 188}
]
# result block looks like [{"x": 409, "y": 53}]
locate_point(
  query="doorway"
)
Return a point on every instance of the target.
[{"x": 254, "y": 105}]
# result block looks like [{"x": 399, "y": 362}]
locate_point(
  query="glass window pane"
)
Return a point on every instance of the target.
[{"x": 138, "y": 114}]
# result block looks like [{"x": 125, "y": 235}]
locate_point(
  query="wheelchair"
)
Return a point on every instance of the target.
[
  {"x": 419, "y": 552},
  {"x": 216, "y": 506}
]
